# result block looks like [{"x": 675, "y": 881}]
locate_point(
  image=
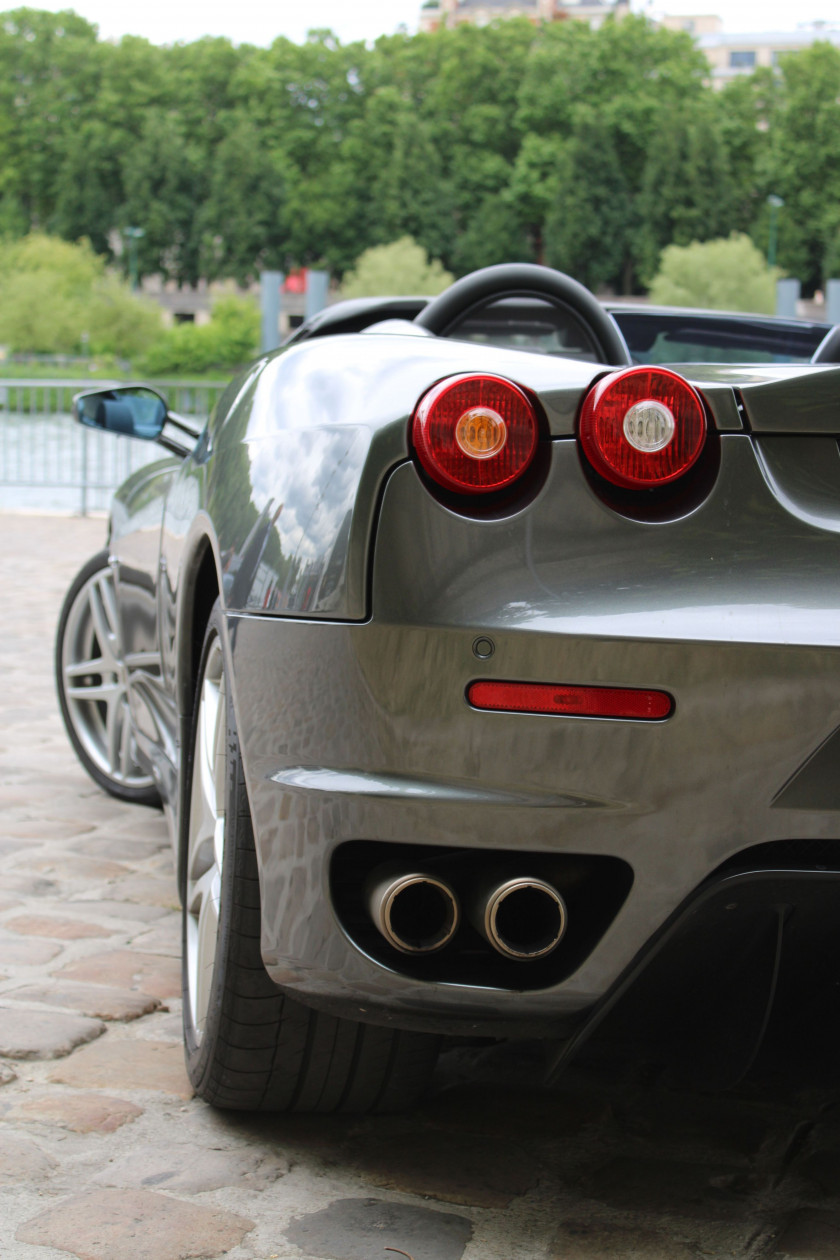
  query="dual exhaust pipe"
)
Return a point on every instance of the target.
[{"x": 419, "y": 913}]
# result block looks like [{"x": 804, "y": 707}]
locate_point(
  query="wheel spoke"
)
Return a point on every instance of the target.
[
  {"x": 206, "y": 934},
  {"x": 206, "y": 837},
  {"x": 114, "y": 730},
  {"x": 201, "y": 856},
  {"x": 79, "y": 668},
  {"x": 207, "y": 738},
  {"x": 104, "y": 634},
  {"x": 109, "y": 692},
  {"x": 109, "y": 607},
  {"x": 93, "y": 681},
  {"x": 125, "y": 742}
]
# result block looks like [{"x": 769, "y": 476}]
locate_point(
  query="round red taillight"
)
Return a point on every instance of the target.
[
  {"x": 475, "y": 434},
  {"x": 642, "y": 427}
]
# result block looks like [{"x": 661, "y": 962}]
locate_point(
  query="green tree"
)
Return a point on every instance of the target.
[
  {"x": 630, "y": 73},
  {"x": 403, "y": 267},
  {"x": 803, "y": 162},
  {"x": 729, "y": 274},
  {"x": 227, "y": 342},
  {"x": 49, "y": 66},
  {"x": 242, "y": 225},
  {"x": 687, "y": 192},
  {"x": 58, "y": 298},
  {"x": 89, "y": 186},
  {"x": 438, "y": 143},
  {"x": 746, "y": 109},
  {"x": 616, "y": 85},
  {"x": 164, "y": 181},
  {"x": 494, "y": 233},
  {"x": 588, "y": 225}
]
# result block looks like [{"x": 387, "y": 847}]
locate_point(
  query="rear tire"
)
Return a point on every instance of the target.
[{"x": 248, "y": 1046}]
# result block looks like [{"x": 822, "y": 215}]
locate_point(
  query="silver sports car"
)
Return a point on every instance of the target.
[{"x": 482, "y": 677}]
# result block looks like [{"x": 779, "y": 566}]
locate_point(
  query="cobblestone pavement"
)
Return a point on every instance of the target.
[{"x": 105, "y": 1155}]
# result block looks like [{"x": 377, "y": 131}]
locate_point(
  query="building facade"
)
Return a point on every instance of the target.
[
  {"x": 450, "y": 13},
  {"x": 730, "y": 55}
]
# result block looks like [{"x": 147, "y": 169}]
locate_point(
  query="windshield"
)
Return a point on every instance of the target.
[{"x": 657, "y": 337}]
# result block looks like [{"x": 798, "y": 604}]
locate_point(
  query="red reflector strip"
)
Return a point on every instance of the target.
[{"x": 607, "y": 702}]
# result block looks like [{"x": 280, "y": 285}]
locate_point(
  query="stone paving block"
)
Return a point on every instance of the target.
[
  {"x": 72, "y": 867},
  {"x": 145, "y": 823},
  {"x": 192, "y": 1170},
  {"x": 128, "y": 969},
  {"x": 135, "y": 1225},
  {"x": 122, "y": 911},
  {"x": 18, "y": 952},
  {"x": 148, "y": 890},
  {"x": 99, "y": 1001},
  {"x": 810, "y": 1235},
  {"x": 30, "y": 885},
  {"x": 167, "y": 1025},
  {"x": 360, "y": 1229},
  {"x": 7, "y": 1074},
  {"x": 22, "y": 1162},
  {"x": 96, "y": 806},
  {"x": 118, "y": 1064},
  {"x": 81, "y": 1113},
  {"x": 577, "y": 1240},
  {"x": 451, "y": 1167},
  {"x": 28, "y": 1034},
  {"x": 708, "y": 1192},
  {"x": 43, "y": 829},
  {"x": 18, "y": 796},
  {"x": 55, "y": 928},
  {"x": 163, "y": 938},
  {"x": 123, "y": 848}
]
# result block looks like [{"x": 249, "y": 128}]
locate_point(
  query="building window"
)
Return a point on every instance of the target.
[{"x": 742, "y": 60}]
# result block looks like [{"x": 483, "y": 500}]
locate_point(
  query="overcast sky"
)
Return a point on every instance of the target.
[{"x": 261, "y": 21}]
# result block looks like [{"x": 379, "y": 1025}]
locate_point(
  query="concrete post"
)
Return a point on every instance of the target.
[
  {"x": 832, "y": 301},
  {"x": 317, "y": 287},
  {"x": 270, "y": 285},
  {"x": 787, "y": 295}
]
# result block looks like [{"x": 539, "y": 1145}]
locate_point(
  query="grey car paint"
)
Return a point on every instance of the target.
[{"x": 354, "y": 599}]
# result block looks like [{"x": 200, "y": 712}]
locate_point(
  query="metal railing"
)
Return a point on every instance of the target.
[{"x": 50, "y": 463}]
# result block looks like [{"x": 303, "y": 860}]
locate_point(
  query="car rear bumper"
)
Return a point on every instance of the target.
[{"x": 361, "y": 732}]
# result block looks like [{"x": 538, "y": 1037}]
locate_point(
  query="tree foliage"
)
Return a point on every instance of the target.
[
  {"x": 590, "y": 149},
  {"x": 58, "y": 298},
  {"x": 227, "y": 342},
  {"x": 399, "y": 268},
  {"x": 729, "y": 275}
]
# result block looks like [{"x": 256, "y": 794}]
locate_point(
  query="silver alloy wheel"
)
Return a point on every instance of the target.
[
  {"x": 94, "y": 678},
  {"x": 206, "y": 837}
]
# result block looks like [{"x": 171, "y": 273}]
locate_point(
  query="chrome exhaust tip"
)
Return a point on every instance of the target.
[
  {"x": 522, "y": 918},
  {"x": 416, "y": 912}
]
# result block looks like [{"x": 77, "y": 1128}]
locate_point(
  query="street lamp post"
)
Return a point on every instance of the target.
[
  {"x": 775, "y": 203},
  {"x": 133, "y": 234}
]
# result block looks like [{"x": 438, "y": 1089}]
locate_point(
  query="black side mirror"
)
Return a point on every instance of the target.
[{"x": 135, "y": 410}]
